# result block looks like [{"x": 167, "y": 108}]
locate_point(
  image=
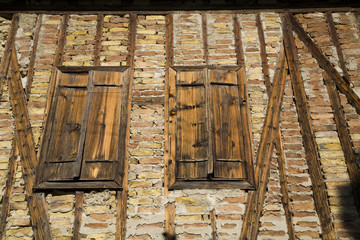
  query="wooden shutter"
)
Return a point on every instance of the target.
[
  {"x": 227, "y": 137},
  {"x": 191, "y": 125}
]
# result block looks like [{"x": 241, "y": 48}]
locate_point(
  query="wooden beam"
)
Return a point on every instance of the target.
[
  {"x": 5, "y": 60},
  {"x": 24, "y": 139},
  {"x": 79, "y": 199},
  {"x": 99, "y": 27},
  {"x": 10, "y": 180},
  {"x": 31, "y": 68},
  {"x": 345, "y": 139},
  {"x": 61, "y": 41},
  {"x": 170, "y": 221},
  {"x": 238, "y": 42},
  {"x": 357, "y": 19},
  {"x": 205, "y": 37},
  {"x": 256, "y": 198},
  {"x": 213, "y": 224},
  {"x": 263, "y": 55},
  {"x": 309, "y": 143},
  {"x": 336, "y": 42},
  {"x": 325, "y": 64}
]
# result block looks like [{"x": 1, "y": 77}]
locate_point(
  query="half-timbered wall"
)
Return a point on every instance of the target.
[{"x": 149, "y": 44}]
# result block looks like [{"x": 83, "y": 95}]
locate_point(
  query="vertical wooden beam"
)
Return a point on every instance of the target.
[
  {"x": 24, "y": 139},
  {"x": 263, "y": 55},
  {"x": 262, "y": 171},
  {"x": 10, "y": 180},
  {"x": 5, "y": 60},
  {"x": 238, "y": 42},
  {"x": 170, "y": 221},
  {"x": 99, "y": 27},
  {"x": 205, "y": 37},
  {"x": 213, "y": 224},
  {"x": 336, "y": 42},
  {"x": 325, "y": 64},
  {"x": 79, "y": 199},
  {"x": 357, "y": 20},
  {"x": 311, "y": 151},
  {"x": 345, "y": 139},
  {"x": 122, "y": 196},
  {"x": 31, "y": 68}
]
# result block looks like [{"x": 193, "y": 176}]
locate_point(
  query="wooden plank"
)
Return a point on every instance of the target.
[
  {"x": 170, "y": 221},
  {"x": 10, "y": 180},
  {"x": 205, "y": 37},
  {"x": 99, "y": 27},
  {"x": 325, "y": 64},
  {"x": 24, "y": 138},
  {"x": 345, "y": 139},
  {"x": 31, "y": 68},
  {"x": 213, "y": 224},
  {"x": 238, "y": 42},
  {"x": 169, "y": 166},
  {"x": 309, "y": 143},
  {"x": 263, "y": 55},
  {"x": 5, "y": 60},
  {"x": 256, "y": 198},
  {"x": 79, "y": 199},
  {"x": 357, "y": 19},
  {"x": 336, "y": 42}
]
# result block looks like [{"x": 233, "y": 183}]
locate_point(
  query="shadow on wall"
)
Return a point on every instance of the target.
[{"x": 169, "y": 237}]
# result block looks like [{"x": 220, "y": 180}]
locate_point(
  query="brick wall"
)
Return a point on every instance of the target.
[{"x": 146, "y": 196}]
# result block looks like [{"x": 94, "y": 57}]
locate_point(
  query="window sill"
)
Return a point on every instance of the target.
[{"x": 245, "y": 185}]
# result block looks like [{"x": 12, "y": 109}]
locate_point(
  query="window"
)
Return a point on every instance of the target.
[
  {"x": 83, "y": 145},
  {"x": 208, "y": 129}
]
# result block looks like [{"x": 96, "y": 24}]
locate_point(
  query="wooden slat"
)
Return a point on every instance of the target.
[
  {"x": 263, "y": 55},
  {"x": 5, "y": 60},
  {"x": 213, "y": 224},
  {"x": 205, "y": 37},
  {"x": 256, "y": 198},
  {"x": 169, "y": 51},
  {"x": 170, "y": 221},
  {"x": 238, "y": 42},
  {"x": 79, "y": 199},
  {"x": 345, "y": 139},
  {"x": 10, "y": 180},
  {"x": 31, "y": 68},
  {"x": 24, "y": 138},
  {"x": 336, "y": 42},
  {"x": 309, "y": 143},
  {"x": 325, "y": 64},
  {"x": 99, "y": 27}
]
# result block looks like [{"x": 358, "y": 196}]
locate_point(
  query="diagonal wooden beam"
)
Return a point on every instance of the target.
[
  {"x": 342, "y": 85},
  {"x": 311, "y": 151},
  {"x": 5, "y": 60},
  {"x": 256, "y": 198},
  {"x": 25, "y": 142},
  {"x": 345, "y": 139}
]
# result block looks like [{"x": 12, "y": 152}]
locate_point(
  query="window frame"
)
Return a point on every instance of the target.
[{"x": 172, "y": 182}]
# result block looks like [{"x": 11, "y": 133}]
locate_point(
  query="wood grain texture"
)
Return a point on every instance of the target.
[
  {"x": 238, "y": 42},
  {"x": 99, "y": 27},
  {"x": 24, "y": 139},
  {"x": 205, "y": 37},
  {"x": 79, "y": 200},
  {"x": 357, "y": 19},
  {"x": 10, "y": 180},
  {"x": 335, "y": 40},
  {"x": 213, "y": 224},
  {"x": 170, "y": 221},
  {"x": 31, "y": 68},
  {"x": 324, "y": 63},
  {"x": 311, "y": 151},
  {"x": 345, "y": 139},
  {"x": 6, "y": 58},
  {"x": 263, "y": 161}
]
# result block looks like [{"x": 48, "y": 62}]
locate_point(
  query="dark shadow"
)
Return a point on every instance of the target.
[{"x": 169, "y": 237}]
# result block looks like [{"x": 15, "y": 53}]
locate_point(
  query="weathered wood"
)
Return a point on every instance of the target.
[
  {"x": 325, "y": 64},
  {"x": 10, "y": 180},
  {"x": 263, "y": 55},
  {"x": 309, "y": 143},
  {"x": 31, "y": 68},
  {"x": 26, "y": 146},
  {"x": 99, "y": 27},
  {"x": 205, "y": 37},
  {"x": 170, "y": 221},
  {"x": 238, "y": 42},
  {"x": 265, "y": 152},
  {"x": 6, "y": 58},
  {"x": 213, "y": 224},
  {"x": 169, "y": 166},
  {"x": 79, "y": 200},
  {"x": 345, "y": 139},
  {"x": 213, "y": 185},
  {"x": 336, "y": 42},
  {"x": 357, "y": 19}
]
